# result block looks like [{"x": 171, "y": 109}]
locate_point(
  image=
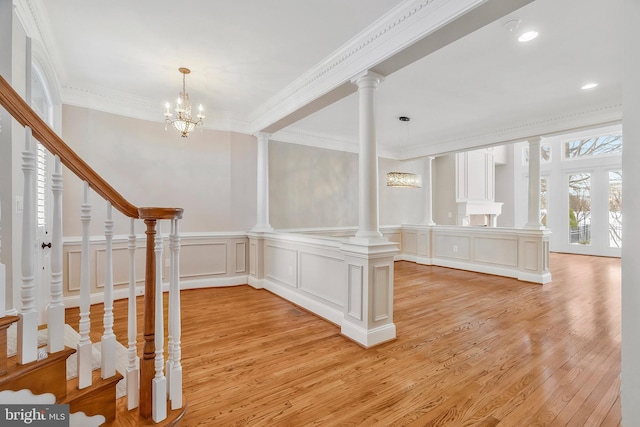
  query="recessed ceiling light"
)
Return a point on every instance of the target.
[
  {"x": 589, "y": 86},
  {"x": 528, "y": 36}
]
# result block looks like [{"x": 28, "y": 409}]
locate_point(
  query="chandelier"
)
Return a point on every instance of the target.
[
  {"x": 183, "y": 122},
  {"x": 404, "y": 179}
]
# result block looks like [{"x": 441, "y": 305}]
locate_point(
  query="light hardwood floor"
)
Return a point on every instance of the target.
[{"x": 472, "y": 350}]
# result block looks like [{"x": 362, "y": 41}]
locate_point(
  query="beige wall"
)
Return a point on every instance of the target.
[
  {"x": 212, "y": 174},
  {"x": 315, "y": 187}
]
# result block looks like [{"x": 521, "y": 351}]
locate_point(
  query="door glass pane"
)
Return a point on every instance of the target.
[
  {"x": 615, "y": 209},
  {"x": 580, "y": 209}
]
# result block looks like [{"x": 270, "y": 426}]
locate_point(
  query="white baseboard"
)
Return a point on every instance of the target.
[
  {"x": 329, "y": 313},
  {"x": 256, "y": 283},
  {"x": 478, "y": 268},
  {"x": 219, "y": 282}
]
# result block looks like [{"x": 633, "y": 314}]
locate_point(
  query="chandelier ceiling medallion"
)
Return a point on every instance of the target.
[{"x": 183, "y": 122}]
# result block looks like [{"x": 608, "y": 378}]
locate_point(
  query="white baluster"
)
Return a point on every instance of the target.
[
  {"x": 84, "y": 344},
  {"x": 159, "y": 388},
  {"x": 174, "y": 368},
  {"x": 55, "y": 309},
  {"x": 108, "y": 342},
  {"x": 27, "y": 337},
  {"x": 133, "y": 369}
]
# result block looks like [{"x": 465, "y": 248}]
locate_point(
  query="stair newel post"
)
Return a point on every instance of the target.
[
  {"x": 134, "y": 362},
  {"x": 174, "y": 366},
  {"x": 151, "y": 376},
  {"x": 3, "y": 278},
  {"x": 159, "y": 392},
  {"x": 108, "y": 342},
  {"x": 55, "y": 309},
  {"x": 147, "y": 370},
  {"x": 84, "y": 343},
  {"x": 27, "y": 344}
]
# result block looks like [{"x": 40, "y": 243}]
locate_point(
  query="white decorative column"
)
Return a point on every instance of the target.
[
  {"x": 256, "y": 235},
  {"x": 428, "y": 185},
  {"x": 263, "y": 183},
  {"x": 368, "y": 257},
  {"x": 533, "y": 220},
  {"x": 368, "y": 227}
]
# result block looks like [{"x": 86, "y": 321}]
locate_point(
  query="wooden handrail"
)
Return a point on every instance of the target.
[{"x": 22, "y": 112}]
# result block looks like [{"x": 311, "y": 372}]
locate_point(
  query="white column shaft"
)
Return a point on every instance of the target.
[
  {"x": 368, "y": 226},
  {"x": 534, "y": 184},
  {"x": 263, "y": 183},
  {"x": 428, "y": 185}
]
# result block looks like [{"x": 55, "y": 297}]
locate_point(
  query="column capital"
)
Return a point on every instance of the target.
[
  {"x": 535, "y": 140},
  {"x": 262, "y": 136},
  {"x": 367, "y": 79}
]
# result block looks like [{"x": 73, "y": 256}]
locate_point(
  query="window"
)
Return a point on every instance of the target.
[
  {"x": 594, "y": 146},
  {"x": 615, "y": 209},
  {"x": 543, "y": 201},
  {"x": 580, "y": 209},
  {"x": 545, "y": 154},
  {"x": 41, "y": 103}
]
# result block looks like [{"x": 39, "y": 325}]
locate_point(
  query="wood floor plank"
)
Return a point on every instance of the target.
[{"x": 472, "y": 350}]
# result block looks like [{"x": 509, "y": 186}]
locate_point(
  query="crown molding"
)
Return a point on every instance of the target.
[{"x": 124, "y": 104}]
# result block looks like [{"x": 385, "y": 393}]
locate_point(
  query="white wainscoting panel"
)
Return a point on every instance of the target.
[
  {"x": 203, "y": 259},
  {"x": 530, "y": 255},
  {"x": 322, "y": 276},
  {"x": 241, "y": 257},
  {"x": 355, "y": 283},
  {"x": 72, "y": 275},
  {"x": 381, "y": 303},
  {"x": 281, "y": 264},
  {"x": 452, "y": 246},
  {"x": 120, "y": 258},
  {"x": 253, "y": 258},
  {"x": 496, "y": 250}
]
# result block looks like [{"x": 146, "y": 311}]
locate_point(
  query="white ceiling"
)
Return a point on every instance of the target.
[{"x": 482, "y": 89}]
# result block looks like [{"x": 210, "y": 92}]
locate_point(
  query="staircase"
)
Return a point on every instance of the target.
[{"x": 153, "y": 385}]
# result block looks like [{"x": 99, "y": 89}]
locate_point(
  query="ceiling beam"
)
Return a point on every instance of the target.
[{"x": 409, "y": 32}]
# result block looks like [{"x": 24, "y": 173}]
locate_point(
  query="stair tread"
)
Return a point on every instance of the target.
[
  {"x": 8, "y": 320},
  {"x": 15, "y": 369}
]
